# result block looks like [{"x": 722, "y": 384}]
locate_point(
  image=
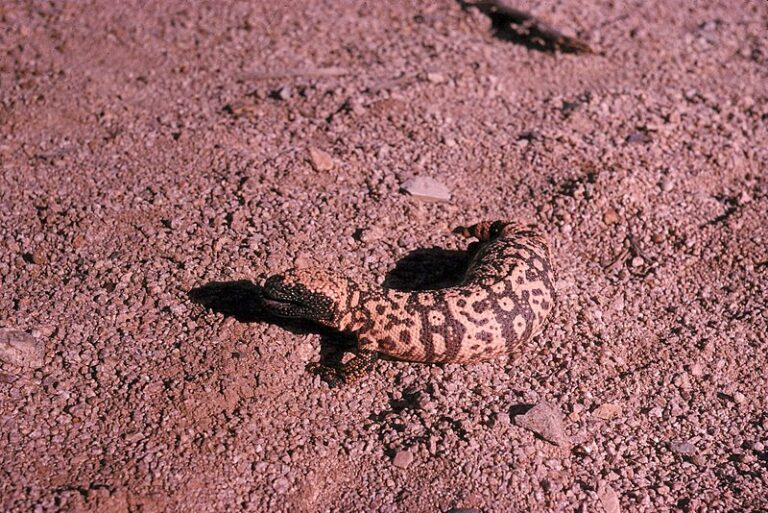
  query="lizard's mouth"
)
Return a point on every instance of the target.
[{"x": 280, "y": 305}]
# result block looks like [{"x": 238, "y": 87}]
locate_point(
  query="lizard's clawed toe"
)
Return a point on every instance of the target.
[{"x": 331, "y": 375}]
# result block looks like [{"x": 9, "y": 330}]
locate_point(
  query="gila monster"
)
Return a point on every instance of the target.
[{"x": 502, "y": 301}]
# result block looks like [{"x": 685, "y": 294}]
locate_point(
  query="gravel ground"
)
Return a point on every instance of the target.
[{"x": 153, "y": 148}]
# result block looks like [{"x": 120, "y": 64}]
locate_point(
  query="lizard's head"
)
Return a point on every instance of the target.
[{"x": 310, "y": 294}]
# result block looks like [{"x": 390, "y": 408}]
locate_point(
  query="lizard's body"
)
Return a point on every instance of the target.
[{"x": 502, "y": 302}]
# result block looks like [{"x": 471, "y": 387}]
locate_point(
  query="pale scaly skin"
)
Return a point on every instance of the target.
[{"x": 502, "y": 302}]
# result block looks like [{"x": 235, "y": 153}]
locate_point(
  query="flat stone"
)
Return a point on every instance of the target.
[
  {"x": 436, "y": 78},
  {"x": 426, "y": 188},
  {"x": 607, "y": 411},
  {"x": 609, "y": 499},
  {"x": 684, "y": 448},
  {"x": 371, "y": 234},
  {"x": 546, "y": 421},
  {"x": 21, "y": 349},
  {"x": 403, "y": 459},
  {"x": 281, "y": 485},
  {"x": 639, "y": 138}
]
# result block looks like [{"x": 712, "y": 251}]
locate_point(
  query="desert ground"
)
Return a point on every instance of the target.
[{"x": 159, "y": 159}]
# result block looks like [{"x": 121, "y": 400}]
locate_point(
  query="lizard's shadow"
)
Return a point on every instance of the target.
[{"x": 421, "y": 269}]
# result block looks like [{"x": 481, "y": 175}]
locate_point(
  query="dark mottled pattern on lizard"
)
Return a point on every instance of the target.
[{"x": 502, "y": 302}]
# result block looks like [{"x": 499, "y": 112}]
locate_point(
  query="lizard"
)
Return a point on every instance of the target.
[{"x": 502, "y": 301}]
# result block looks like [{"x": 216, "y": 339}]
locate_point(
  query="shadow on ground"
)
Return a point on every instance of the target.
[{"x": 522, "y": 28}]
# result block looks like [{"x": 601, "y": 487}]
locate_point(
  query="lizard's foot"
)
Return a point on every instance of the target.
[
  {"x": 346, "y": 373},
  {"x": 330, "y": 375},
  {"x": 483, "y": 232}
]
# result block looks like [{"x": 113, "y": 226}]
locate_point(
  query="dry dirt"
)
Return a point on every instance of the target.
[{"x": 148, "y": 149}]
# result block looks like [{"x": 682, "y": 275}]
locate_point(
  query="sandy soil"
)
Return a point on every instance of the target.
[{"x": 146, "y": 151}]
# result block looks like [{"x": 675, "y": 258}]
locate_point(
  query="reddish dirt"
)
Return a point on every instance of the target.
[{"x": 147, "y": 149}]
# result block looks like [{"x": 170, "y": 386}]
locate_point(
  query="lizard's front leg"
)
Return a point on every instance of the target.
[
  {"x": 483, "y": 232},
  {"x": 348, "y": 372}
]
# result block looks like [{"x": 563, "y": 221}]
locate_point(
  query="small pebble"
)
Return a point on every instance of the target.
[
  {"x": 667, "y": 185},
  {"x": 639, "y": 138},
  {"x": 609, "y": 499},
  {"x": 371, "y": 234},
  {"x": 320, "y": 160},
  {"x": 39, "y": 257},
  {"x": 744, "y": 198},
  {"x": 610, "y": 217},
  {"x": 281, "y": 485},
  {"x": 403, "y": 459},
  {"x": 607, "y": 411},
  {"x": 7, "y": 378},
  {"x": 683, "y": 448},
  {"x": 546, "y": 421},
  {"x": 284, "y": 93},
  {"x": 21, "y": 349},
  {"x": 426, "y": 188},
  {"x": 436, "y": 78}
]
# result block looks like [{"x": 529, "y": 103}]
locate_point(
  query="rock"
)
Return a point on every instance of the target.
[
  {"x": 435, "y": 77},
  {"x": 426, "y": 188},
  {"x": 320, "y": 160},
  {"x": 371, "y": 234},
  {"x": 284, "y": 93},
  {"x": 744, "y": 198},
  {"x": 134, "y": 437},
  {"x": 39, "y": 257},
  {"x": 607, "y": 411},
  {"x": 546, "y": 421},
  {"x": 402, "y": 459},
  {"x": 463, "y": 510},
  {"x": 608, "y": 498},
  {"x": 639, "y": 138},
  {"x": 610, "y": 217},
  {"x": 684, "y": 448},
  {"x": 667, "y": 185},
  {"x": 281, "y": 485},
  {"x": 21, "y": 349},
  {"x": 6, "y": 378}
]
